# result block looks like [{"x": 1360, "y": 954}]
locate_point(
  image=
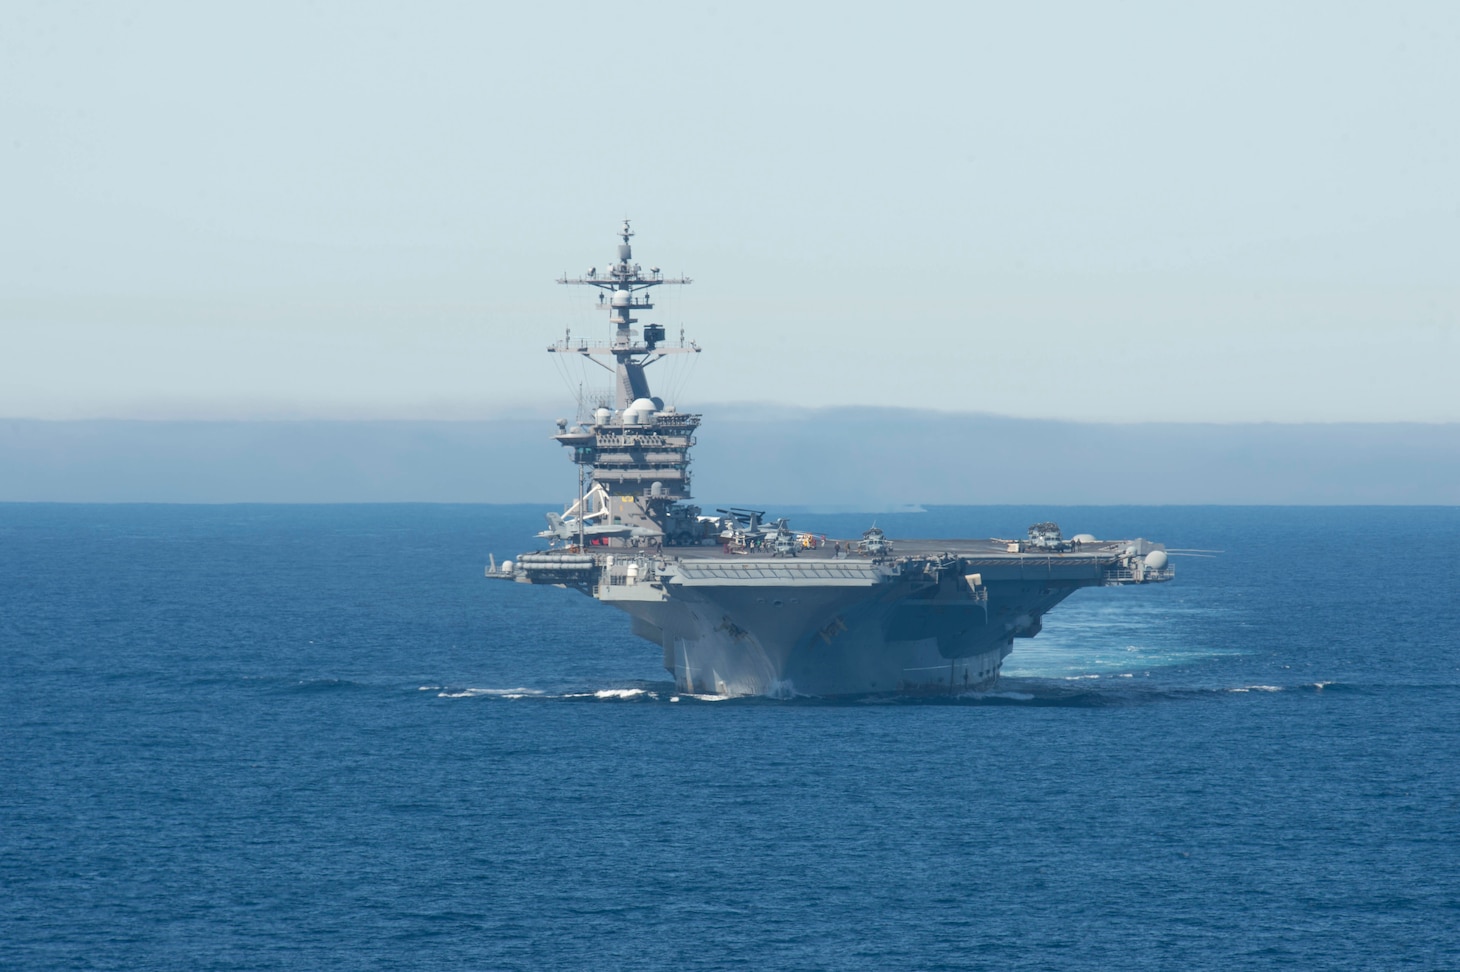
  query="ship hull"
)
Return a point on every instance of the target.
[
  {"x": 710, "y": 660},
  {"x": 893, "y": 635},
  {"x": 938, "y": 617}
]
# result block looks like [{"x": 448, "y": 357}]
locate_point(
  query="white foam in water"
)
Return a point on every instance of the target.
[
  {"x": 1099, "y": 635},
  {"x": 622, "y": 693},
  {"x": 472, "y": 693}
]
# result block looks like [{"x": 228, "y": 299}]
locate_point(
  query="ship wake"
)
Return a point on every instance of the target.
[{"x": 1069, "y": 692}]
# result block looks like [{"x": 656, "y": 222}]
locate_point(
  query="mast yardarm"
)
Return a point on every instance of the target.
[{"x": 623, "y": 287}]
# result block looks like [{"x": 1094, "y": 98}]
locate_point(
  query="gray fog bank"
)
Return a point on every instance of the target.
[{"x": 866, "y": 458}]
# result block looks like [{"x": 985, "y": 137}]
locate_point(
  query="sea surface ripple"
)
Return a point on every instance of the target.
[{"x": 314, "y": 737}]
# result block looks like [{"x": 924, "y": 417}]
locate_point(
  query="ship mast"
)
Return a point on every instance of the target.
[
  {"x": 637, "y": 452},
  {"x": 624, "y": 286}
]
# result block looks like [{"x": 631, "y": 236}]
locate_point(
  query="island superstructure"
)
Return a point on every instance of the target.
[{"x": 745, "y": 605}]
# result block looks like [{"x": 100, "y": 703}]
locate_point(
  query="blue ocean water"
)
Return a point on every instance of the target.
[{"x": 314, "y": 737}]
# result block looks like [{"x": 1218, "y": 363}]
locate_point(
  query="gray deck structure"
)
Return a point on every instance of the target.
[{"x": 745, "y": 606}]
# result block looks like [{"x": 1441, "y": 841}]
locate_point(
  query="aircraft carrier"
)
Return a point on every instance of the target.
[{"x": 741, "y": 604}]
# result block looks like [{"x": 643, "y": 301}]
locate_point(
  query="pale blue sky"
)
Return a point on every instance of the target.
[{"x": 1230, "y": 211}]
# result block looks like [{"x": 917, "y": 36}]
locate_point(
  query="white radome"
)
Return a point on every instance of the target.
[{"x": 640, "y": 411}]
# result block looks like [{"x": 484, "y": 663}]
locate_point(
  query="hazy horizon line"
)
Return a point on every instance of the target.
[
  {"x": 724, "y": 412},
  {"x": 809, "y": 509}
]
